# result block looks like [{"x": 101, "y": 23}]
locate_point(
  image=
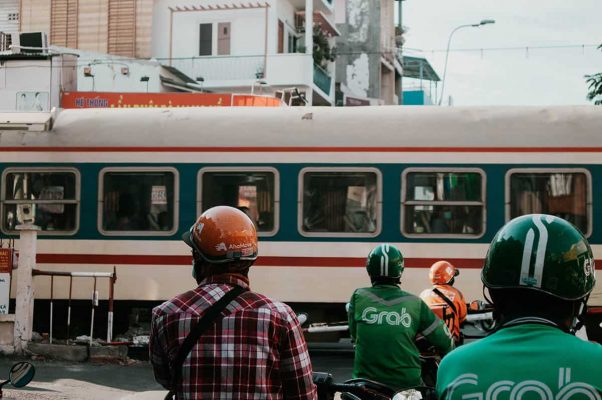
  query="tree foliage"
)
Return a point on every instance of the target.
[
  {"x": 323, "y": 53},
  {"x": 594, "y": 83}
]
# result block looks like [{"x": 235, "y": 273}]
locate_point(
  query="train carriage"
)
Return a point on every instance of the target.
[{"x": 118, "y": 187}]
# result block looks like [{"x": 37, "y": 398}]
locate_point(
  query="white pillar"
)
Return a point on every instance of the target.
[
  {"x": 25, "y": 293},
  {"x": 309, "y": 47},
  {"x": 309, "y": 27}
]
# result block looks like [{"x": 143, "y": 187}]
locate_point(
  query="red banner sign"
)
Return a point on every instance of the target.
[
  {"x": 154, "y": 100},
  {"x": 6, "y": 260}
]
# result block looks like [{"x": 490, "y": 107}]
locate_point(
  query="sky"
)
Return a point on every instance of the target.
[{"x": 527, "y": 75}]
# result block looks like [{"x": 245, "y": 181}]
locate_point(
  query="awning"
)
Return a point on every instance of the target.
[
  {"x": 183, "y": 86},
  {"x": 419, "y": 68}
]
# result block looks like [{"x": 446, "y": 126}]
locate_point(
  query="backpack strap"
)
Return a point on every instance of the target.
[
  {"x": 445, "y": 299},
  {"x": 210, "y": 316}
]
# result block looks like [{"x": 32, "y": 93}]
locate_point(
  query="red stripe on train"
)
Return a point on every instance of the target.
[
  {"x": 308, "y": 149},
  {"x": 263, "y": 261}
]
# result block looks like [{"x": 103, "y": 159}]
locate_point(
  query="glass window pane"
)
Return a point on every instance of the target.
[
  {"x": 443, "y": 219},
  {"x": 561, "y": 194},
  {"x": 444, "y": 186},
  {"x": 49, "y": 197},
  {"x": 340, "y": 202},
  {"x": 457, "y": 191},
  {"x": 250, "y": 191},
  {"x": 138, "y": 201}
]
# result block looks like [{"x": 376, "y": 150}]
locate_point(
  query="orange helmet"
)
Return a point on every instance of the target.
[
  {"x": 223, "y": 234},
  {"x": 442, "y": 272}
]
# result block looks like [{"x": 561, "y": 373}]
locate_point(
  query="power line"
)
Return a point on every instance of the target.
[
  {"x": 511, "y": 48},
  {"x": 79, "y": 62}
]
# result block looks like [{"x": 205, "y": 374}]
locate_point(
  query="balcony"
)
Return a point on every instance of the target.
[
  {"x": 322, "y": 80},
  {"x": 221, "y": 68},
  {"x": 237, "y": 71},
  {"x": 240, "y": 73}
]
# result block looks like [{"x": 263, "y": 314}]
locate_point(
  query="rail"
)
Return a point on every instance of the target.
[
  {"x": 322, "y": 79},
  {"x": 112, "y": 278}
]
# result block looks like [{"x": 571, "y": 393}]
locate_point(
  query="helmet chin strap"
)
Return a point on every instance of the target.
[{"x": 579, "y": 319}]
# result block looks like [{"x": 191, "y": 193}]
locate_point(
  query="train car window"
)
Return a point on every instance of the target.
[
  {"x": 140, "y": 201},
  {"x": 253, "y": 190},
  {"x": 340, "y": 202},
  {"x": 49, "y": 198},
  {"x": 443, "y": 202},
  {"x": 565, "y": 193}
]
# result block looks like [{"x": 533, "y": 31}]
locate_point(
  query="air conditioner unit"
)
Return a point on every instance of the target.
[
  {"x": 33, "y": 42},
  {"x": 7, "y": 40}
]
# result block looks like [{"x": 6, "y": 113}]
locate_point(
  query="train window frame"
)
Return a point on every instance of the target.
[
  {"x": 76, "y": 201},
  {"x": 199, "y": 194},
  {"x": 551, "y": 170},
  {"x": 379, "y": 202},
  {"x": 176, "y": 200},
  {"x": 482, "y": 203}
]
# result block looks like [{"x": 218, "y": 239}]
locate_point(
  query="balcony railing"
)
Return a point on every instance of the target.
[
  {"x": 322, "y": 79},
  {"x": 217, "y": 68}
]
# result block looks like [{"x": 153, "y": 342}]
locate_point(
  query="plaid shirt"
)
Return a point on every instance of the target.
[{"x": 256, "y": 351}]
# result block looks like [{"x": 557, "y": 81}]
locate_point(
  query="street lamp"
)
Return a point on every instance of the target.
[
  {"x": 483, "y": 22},
  {"x": 145, "y": 79}
]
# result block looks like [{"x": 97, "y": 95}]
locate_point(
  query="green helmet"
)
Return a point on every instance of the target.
[
  {"x": 543, "y": 253},
  {"x": 385, "y": 260}
]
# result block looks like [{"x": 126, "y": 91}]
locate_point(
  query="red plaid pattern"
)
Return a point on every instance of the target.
[{"x": 256, "y": 351}]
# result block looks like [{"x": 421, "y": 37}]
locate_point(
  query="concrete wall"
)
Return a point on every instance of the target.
[
  {"x": 7, "y": 329},
  {"x": 358, "y": 63},
  {"x": 108, "y": 77}
]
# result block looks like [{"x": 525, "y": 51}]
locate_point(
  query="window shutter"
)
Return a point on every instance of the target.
[
  {"x": 122, "y": 28},
  {"x": 63, "y": 23},
  {"x": 223, "y": 38},
  {"x": 205, "y": 39}
]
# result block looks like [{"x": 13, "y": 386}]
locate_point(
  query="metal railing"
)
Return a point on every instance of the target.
[
  {"x": 220, "y": 68},
  {"x": 322, "y": 79}
]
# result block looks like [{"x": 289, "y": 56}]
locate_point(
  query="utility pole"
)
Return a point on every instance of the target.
[{"x": 25, "y": 292}]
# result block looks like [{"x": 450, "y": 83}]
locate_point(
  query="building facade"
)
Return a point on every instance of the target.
[
  {"x": 225, "y": 45},
  {"x": 368, "y": 70},
  {"x": 240, "y": 46},
  {"x": 118, "y": 27}
]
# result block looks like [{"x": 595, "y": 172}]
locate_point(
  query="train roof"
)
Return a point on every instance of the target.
[{"x": 394, "y": 126}]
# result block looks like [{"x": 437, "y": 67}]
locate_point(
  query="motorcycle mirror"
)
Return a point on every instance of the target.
[
  {"x": 408, "y": 394},
  {"x": 21, "y": 374},
  {"x": 302, "y": 317},
  {"x": 474, "y": 305}
]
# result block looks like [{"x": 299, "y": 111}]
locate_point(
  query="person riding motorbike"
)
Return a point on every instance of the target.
[
  {"x": 385, "y": 320},
  {"x": 446, "y": 301},
  {"x": 539, "y": 272},
  {"x": 252, "y": 347}
]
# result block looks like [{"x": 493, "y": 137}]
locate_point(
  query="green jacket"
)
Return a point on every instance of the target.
[
  {"x": 384, "y": 321},
  {"x": 529, "y": 362}
]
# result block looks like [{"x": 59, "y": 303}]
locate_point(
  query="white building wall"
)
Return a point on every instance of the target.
[
  {"x": 8, "y": 10},
  {"x": 108, "y": 74},
  {"x": 285, "y": 12},
  {"x": 108, "y": 78},
  {"x": 247, "y": 29},
  {"x": 35, "y": 85}
]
